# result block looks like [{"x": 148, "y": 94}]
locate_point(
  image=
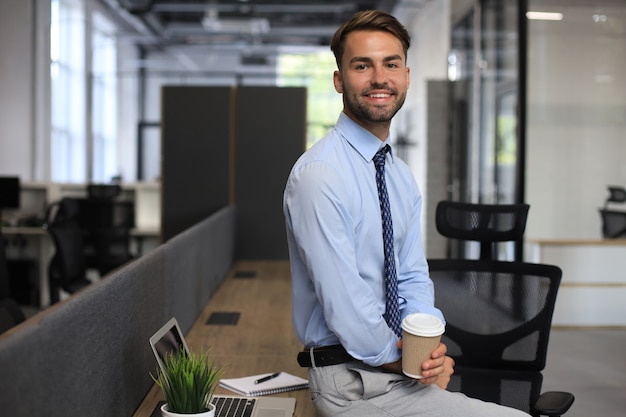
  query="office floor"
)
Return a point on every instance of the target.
[{"x": 591, "y": 364}]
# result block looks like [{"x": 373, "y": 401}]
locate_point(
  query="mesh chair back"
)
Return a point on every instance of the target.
[
  {"x": 617, "y": 194},
  {"x": 5, "y": 288},
  {"x": 68, "y": 263},
  {"x": 103, "y": 191},
  {"x": 498, "y": 314},
  {"x": 613, "y": 223},
  {"x": 484, "y": 223},
  {"x": 67, "y": 268},
  {"x": 107, "y": 226}
]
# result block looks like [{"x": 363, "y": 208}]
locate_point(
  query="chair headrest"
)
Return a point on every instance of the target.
[
  {"x": 64, "y": 210},
  {"x": 617, "y": 194},
  {"x": 481, "y": 222}
]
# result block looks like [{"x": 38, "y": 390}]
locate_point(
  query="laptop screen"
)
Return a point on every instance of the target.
[{"x": 167, "y": 340}]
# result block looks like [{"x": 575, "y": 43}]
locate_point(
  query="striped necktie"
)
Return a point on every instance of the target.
[{"x": 392, "y": 312}]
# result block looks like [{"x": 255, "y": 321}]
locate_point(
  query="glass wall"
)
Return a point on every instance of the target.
[
  {"x": 483, "y": 66},
  {"x": 576, "y": 115}
]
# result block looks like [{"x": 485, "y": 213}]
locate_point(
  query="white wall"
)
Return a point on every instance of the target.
[
  {"x": 16, "y": 88},
  {"x": 576, "y": 120}
]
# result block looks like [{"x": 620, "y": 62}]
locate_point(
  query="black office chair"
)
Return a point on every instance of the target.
[
  {"x": 103, "y": 191},
  {"x": 484, "y": 223},
  {"x": 67, "y": 269},
  {"x": 498, "y": 313},
  {"x": 107, "y": 223},
  {"x": 614, "y": 221},
  {"x": 10, "y": 312}
]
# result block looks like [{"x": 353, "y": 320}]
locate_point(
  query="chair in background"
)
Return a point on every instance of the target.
[
  {"x": 484, "y": 223},
  {"x": 10, "y": 312},
  {"x": 103, "y": 191},
  {"x": 498, "y": 313},
  {"x": 107, "y": 223},
  {"x": 614, "y": 221},
  {"x": 67, "y": 269}
]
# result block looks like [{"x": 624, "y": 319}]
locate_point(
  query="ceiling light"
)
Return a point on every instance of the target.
[
  {"x": 599, "y": 18},
  {"x": 544, "y": 16},
  {"x": 251, "y": 26}
]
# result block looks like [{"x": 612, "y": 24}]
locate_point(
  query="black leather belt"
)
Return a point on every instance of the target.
[{"x": 324, "y": 356}]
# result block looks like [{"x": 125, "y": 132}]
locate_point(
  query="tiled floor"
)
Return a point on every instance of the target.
[{"x": 591, "y": 364}]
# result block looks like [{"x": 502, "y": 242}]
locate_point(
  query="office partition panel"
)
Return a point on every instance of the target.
[
  {"x": 195, "y": 152},
  {"x": 270, "y": 136},
  {"x": 223, "y": 145}
]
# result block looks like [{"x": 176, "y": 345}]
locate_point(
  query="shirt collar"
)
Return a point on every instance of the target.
[{"x": 361, "y": 139}]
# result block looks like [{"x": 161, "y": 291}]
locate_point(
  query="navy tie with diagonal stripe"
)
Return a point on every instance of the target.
[{"x": 392, "y": 312}]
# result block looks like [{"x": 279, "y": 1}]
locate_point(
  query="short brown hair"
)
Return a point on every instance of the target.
[{"x": 373, "y": 20}]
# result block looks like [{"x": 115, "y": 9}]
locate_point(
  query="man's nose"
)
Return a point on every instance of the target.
[{"x": 379, "y": 76}]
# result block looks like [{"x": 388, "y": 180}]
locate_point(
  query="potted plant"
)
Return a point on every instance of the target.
[{"x": 188, "y": 381}]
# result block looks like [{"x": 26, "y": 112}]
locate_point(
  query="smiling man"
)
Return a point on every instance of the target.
[{"x": 352, "y": 210}]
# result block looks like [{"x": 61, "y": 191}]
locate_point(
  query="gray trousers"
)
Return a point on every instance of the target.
[{"x": 355, "y": 389}]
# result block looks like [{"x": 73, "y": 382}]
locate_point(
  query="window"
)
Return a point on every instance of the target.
[
  {"x": 83, "y": 145},
  {"x": 104, "y": 104},
  {"x": 314, "y": 71},
  {"x": 67, "y": 73}
]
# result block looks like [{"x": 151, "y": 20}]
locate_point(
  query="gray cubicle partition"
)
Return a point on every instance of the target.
[
  {"x": 195, "y": 160},
  {"x": 270, "y": 136},
  {"x": 224, "y": 145},
  {"x": 89, "y": 355}
]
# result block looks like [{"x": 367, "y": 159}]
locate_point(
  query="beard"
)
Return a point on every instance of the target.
[{"x": 365, "y": 112}]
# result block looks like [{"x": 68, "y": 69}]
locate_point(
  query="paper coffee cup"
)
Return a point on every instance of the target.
[{"x": 421, "y": 334}]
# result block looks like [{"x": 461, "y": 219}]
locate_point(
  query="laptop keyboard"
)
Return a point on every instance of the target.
[{"x": 233, "y": 407}]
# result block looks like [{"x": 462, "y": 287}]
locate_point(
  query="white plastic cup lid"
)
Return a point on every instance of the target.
[{"x": 422, "y": 324}]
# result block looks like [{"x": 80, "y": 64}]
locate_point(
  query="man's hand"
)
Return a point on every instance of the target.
[
  {"x": 439, "y": 368},
  {"x": 436, "y": 370}
]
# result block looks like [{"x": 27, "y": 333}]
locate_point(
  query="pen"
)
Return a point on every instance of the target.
[{"x": 267, "y": 378}]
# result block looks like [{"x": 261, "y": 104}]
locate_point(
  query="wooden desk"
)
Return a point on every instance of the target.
[
  {"x": 593, "y": 287},
  {"x": 262, "y": 341}
]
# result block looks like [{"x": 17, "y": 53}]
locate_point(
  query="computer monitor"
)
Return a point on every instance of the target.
[{"x": 9, "y": 192}]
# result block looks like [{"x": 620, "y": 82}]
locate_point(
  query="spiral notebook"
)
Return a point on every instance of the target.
[{"x": 254, "y": 385}]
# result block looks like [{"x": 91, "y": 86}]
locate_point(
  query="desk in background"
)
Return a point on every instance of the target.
[
  {"x": 262, "y": 341},
  {"x": 593, "y": 287},
  {"x": 35, "y": 244}
]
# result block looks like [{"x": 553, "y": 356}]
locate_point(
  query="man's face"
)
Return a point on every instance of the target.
[{"x": 374, "y": 77}]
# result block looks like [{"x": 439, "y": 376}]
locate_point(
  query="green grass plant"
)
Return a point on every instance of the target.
[{"x": 188, "y": 381}]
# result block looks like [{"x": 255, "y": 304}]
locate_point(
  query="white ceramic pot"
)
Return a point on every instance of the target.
[{"x": 166, "y": 413}]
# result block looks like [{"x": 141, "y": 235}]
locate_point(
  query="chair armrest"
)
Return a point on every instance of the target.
[{"x": 553, "y": 403}]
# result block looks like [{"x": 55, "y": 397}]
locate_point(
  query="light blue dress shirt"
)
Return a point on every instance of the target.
[{"x": 334, "y": 231}]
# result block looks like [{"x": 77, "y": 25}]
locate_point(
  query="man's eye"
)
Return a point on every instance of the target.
[{"x": 360, "y": 67}]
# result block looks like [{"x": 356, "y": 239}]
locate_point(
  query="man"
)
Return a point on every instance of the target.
[{"x": 336, "y": 239}]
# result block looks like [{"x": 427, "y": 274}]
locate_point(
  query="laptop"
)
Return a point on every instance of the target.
[{"x": 169, "y": 339}]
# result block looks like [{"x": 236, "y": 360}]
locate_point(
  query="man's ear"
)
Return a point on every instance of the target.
[
  {"x": 408, "y": 77},
  {"x": 337, "y": 81}
]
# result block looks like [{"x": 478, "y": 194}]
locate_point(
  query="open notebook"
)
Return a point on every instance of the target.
[
  {"x": 169, "y": 338},
  {"x": 264, "y": 384}
]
